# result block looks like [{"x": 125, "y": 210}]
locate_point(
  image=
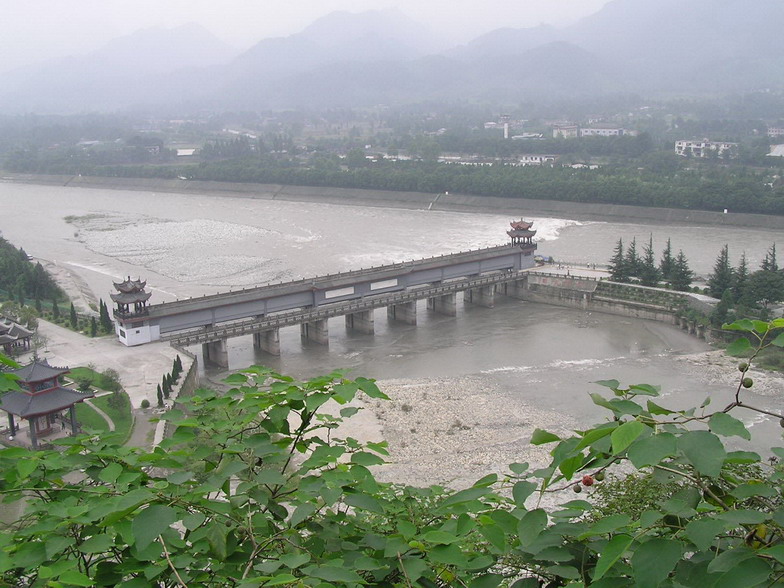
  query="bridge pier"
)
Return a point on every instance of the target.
[
  {"x": 483, "y": 296},
  {"x": 268, "y": 341},
  {"x": 362, "y": 321},
  {"x": 216, "y": 352},
  {"x": 316, "y": 331},
  {"x": 446, "y": 304},
  {"x": 515, "y": 289},
  {"x": 405, "y": 313}
]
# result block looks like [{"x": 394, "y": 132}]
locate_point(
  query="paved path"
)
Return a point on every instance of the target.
[
  {"x": 105, "y": 416},
  {"x": 140, "y": 368}
]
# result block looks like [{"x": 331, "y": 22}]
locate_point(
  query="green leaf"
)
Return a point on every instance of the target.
[
  {"x": 778, "y": 341},
  {"x": 75, "y": 578},
  {"x": 531, "y": 525},
  {"x": 447, "y": 554},
  {"x": 334, "y": 574},
  {"x": 541, "y": 437},
  {"x": 302, "y": 512},
  {"x": 625, "y": 435},
  {"x": 741, "y": 325},
  {"x": 704, "y": 450},
  {"x": 110, "y": 473},
  {"x": 725, "y": 425},
  {"x": 25, "y": 467},
  {"x": 464, "y": 496},
  {"x": 294, "y": 560},
  {"x": 611, "y": 384},
  {"x": 743, "y": 517},
  {"x": 683, "y": 503},
  {"x": 652, "y": 450},
  {"x": 607, "y": 525},
  {"x": 611, "y": 553},
  {"x": 486, "y": 581},
  {"x": 151, "y": 522},
  {"x": 364, "y": 502},
  {"x": 366, "y": 459},
  {"x": 748, "y": 573},
  {"x": 521, "y": 491},
  {"x": 703, "y": 532},
  {"x": 654, "y": 408},
  {"x": 730, "y": 558},
  {"x": 97, "y": 544},
  {"x": 653, "y": 561},
  {"x": 750, "y": 489},
  {"x": 594, "y": 435},
  {"x": 645, "y": 390},
  {"x": 216, "y": 537},
  {"x": 439, "y": 537},
  {"x": 739, "y": 346}
]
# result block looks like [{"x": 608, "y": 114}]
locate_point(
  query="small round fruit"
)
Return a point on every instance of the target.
[
  {"x": 599, "y": 476},
  {"x": 577, "y": 488},
  {"x": 743, "y": 366},
  {"x": 588, "y": 480},
  {"x": 748, "y": 382}
]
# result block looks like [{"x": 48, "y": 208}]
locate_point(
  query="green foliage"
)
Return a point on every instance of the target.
[
  {"x": 722, "y": 277},
  {"x": 108, "y": 380},
  {"x": 18, "y": 275},
  {"x": 255, "y": 487}
]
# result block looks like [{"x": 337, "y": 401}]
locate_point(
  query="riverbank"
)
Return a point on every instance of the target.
[
  {"x": 453, "y": 431},
  {"x": 413, "y": 200}
]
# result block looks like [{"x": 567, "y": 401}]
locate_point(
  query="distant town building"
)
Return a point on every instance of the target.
[
  {"x": 527, "y": 136},
  {"x": 775, "y": 132},
  {"x": 603, "y": 132},
  {"x": 565, "y": 131},
  {"x": 536, "y": 160},
  {"x": 704, "y": 148},
  {"x": 776, "y": 151}
]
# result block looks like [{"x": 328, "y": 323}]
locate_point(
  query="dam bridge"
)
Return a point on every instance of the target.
[{"x": 262, "y": 311}]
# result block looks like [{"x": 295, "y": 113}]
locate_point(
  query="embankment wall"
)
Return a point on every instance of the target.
[{"x": 416, "y": 200}]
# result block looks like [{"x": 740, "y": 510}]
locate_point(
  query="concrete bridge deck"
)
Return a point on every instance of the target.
[
  {"x": 299, "y": 316},
  {"x": 305, "y": 301}
]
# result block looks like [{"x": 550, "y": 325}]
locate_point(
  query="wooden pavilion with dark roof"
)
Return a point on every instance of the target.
[
  {"x": 521, "y": 233},
  {"x": 41, "y": 400},
  {"x": 14, "y": 336}
]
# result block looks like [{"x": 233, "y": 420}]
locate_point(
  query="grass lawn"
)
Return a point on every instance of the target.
[
  {"x": 117, "y": 406},
  {"x": 97, "y": 380}
]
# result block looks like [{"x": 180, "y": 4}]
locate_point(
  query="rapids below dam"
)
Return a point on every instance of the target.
[{"x": 528, "y": 355}]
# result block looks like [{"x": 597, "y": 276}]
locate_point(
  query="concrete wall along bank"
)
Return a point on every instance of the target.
[{"x": 414, "y": 200}]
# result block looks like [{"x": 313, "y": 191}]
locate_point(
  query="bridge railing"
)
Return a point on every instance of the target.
[
  {"x": 317, "y": 279},
  {"x": 299, "y": 316}
]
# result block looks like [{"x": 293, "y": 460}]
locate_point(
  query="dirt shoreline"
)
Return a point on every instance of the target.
[{"x": 413, "y": 200}]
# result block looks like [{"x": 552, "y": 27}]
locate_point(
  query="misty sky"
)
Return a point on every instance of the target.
[{"x": 32, "y": 31}]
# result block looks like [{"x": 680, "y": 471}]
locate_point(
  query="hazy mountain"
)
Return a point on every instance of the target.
[
  {"x": 505, "y": 42},
  {"x": 651, "y": 46},
  {"x": 125, "y": 70},
  {"x": 338, "y": 37}
]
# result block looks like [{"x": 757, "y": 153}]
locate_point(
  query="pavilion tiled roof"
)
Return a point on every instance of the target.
[
  {"x": 521, "y": 225},
  {"x": 131, "y": 297},
  {"x": 30, "y": 405},
  {"x": 128, "y": 285},
  {"x": 39, "y": 371}
]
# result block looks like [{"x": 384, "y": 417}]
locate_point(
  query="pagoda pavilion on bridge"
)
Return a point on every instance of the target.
[
  {"x": 130, "y": 293},
  {"x": 42, "y": 401},
  {"x": 131, "y": 312},
  {"x": 522, "y": 234}
]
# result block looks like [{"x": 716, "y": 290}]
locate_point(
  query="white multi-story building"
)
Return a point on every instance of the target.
[
  {"x": 775, "y": 132},
  {"x": 565, "y": 131},
  {"x": 704, "y": 148},
  {"x": 602, "y": 132},
  {"x": 536, "y": 160}
]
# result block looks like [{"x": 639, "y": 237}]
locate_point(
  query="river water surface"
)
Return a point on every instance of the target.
[{"x": 534, "y": 355}]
